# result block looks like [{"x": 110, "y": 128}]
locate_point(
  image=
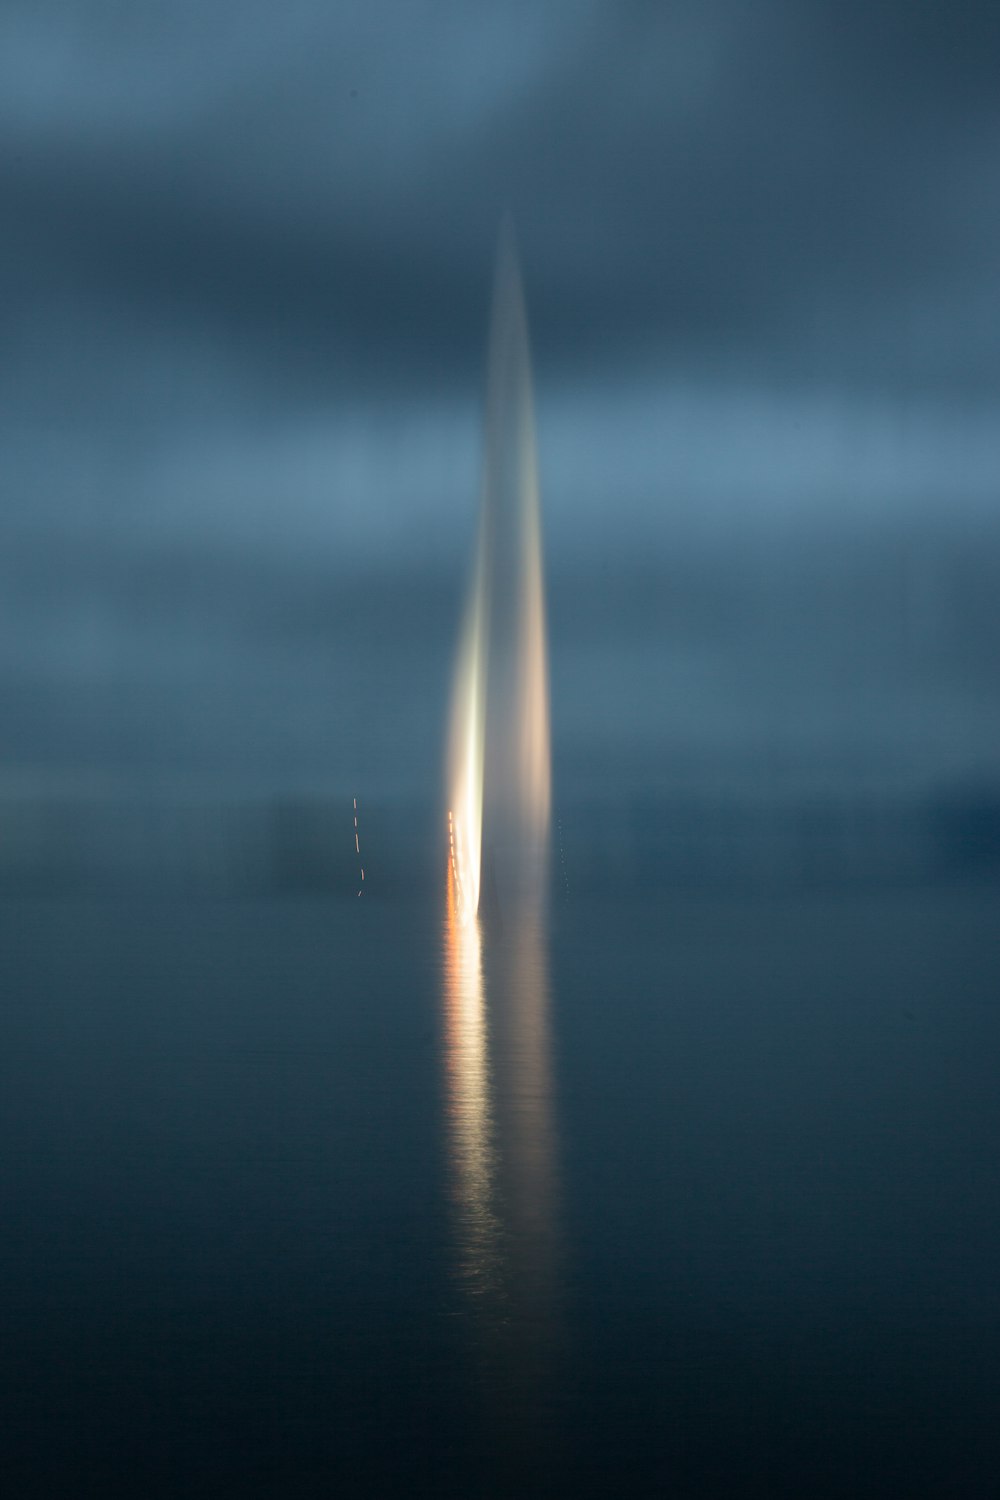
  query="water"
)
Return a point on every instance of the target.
[{"x": 686, "y": 1195}]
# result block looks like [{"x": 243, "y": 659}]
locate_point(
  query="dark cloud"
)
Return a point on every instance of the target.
[
  {"x": 713, "y": 174},
  {"x": 246, "y": 275}
]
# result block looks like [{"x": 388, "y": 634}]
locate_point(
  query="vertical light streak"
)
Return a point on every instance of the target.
[
  {"x": 499, "y": 1089},
  {"x": 499, "y": 752},
  {"x": 533, "y": 747},
  {"x": 357, "y": 847},
  {"x": 469, "y": 1112},
  {"x": 526, "y": 1090},
  {"x": 501, "y": 1144},
  {"x": 467, "y": 739},
  {"x": 514, "y": 416}
]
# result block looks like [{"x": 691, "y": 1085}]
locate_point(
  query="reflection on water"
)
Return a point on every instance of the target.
[
  {"x": 502, "y": 1158},
  {"x": 470, "y": 1120},
  {"x": 524, "y": 1104}
]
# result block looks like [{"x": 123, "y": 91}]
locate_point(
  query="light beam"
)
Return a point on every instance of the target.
[{"x": 499, "y": 756}]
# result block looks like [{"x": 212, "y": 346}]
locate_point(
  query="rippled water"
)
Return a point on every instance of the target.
[{"x": 658, "y": 1196}]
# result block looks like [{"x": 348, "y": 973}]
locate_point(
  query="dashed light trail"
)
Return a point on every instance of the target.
[{"x": 357, "y": 847}]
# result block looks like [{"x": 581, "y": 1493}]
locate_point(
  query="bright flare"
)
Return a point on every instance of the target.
[
  {"x": 466, "y": 750},
  {"x": 499, "y": 759}
]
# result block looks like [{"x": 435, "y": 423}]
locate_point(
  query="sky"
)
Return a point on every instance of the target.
[{"x": 245, "y": 277}]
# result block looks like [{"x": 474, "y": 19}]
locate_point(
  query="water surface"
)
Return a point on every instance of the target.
[{"x": 667, "y": 1194}]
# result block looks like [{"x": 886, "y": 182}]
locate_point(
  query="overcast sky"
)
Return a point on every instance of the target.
[{"x": 245, "y": 278}]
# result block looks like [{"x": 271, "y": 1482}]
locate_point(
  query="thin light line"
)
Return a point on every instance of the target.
[{"x": 357, "y": 845}]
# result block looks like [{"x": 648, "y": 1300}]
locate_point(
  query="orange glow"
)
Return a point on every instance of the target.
[
  {"x": 469, "y": 1111},
  {"x": 499, "y": 1120},
  {"x": 466, "y": 745},
  {"x": 500, "y": 693},
  {"x": 533, "y": 748}
]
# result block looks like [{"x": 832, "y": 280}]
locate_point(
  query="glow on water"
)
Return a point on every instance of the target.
[{"x": 468, "y": 1098}]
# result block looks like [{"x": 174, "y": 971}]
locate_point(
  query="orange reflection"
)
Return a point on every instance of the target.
[
  {"x": 525, "y": 1112},
  {"x": 469, "y": 1112},
  {"x": 501, "y": 1136}
]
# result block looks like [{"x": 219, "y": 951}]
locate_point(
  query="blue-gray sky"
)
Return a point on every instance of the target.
[{"x": 245, "y": 278}]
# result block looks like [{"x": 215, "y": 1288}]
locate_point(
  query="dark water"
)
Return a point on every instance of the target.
[{"x": 678, "y": 1196}]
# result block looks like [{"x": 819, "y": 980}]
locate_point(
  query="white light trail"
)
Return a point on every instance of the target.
[
  {"x": 499, "y": 754},
  {"x": 357, "y": 846}
]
